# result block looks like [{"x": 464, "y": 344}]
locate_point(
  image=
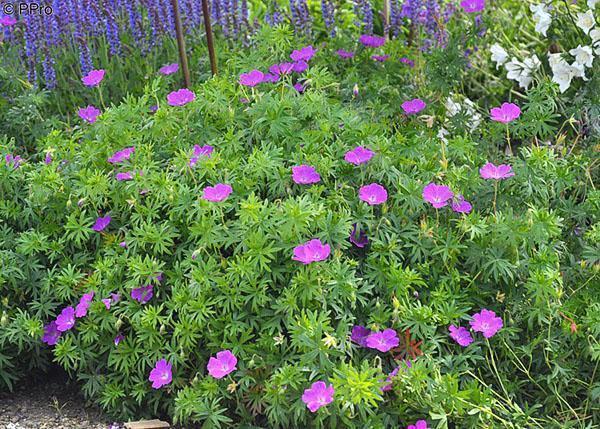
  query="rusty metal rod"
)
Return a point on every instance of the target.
[
  {"x": 209, "y": 37},
  {"x": 181, "y": 45}
]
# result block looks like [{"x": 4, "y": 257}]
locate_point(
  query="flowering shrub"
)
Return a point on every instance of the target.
[{"x": 362, "y": 253}]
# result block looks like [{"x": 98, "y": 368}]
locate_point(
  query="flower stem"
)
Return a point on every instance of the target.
[
  {"x": 495, "y": 194},
  {"x": 508, "y": 140}
]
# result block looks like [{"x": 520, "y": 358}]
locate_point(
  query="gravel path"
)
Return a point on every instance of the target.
[{"x": 48, "y": 403}]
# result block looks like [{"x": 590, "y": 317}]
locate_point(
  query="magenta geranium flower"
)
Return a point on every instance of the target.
[
  {"x": 389, "y": 380},
  {"x": 460, "y": 205},
  {"x": 142, "y": 294},
  {"x": 373, "y": 194},
  {"x": 318, "y": 395},
  {"x": 101, "y": 223},
  {"x": 383, "y": 341},
  {"x": 7, "y": 21},
  {"x": 486, "y": 322},
  {"x": 200, "y": 151},
  {"x": 472, "y": 6},
  {"x": 345, "y": 54},
  {"x": 371, "y": 41},
  {"x": 305, "y": 175},
  {"x": 66, "y": 319},
  {"x": 359, "y": 335},
  {"x": 161, "y": 375},
  {"x": 380, "y": 58},
  {"x": 118, "y": 339},
  {"x": 51, "y": 334},
  {"x": 358, "y": 155},
  {"x": 300, "y": 66},
  {"x": 93, "y": 78},
  {"x": 121, "y": 155},
  {"x": 304, "y": 54},
  {"x": 126, "y": 175},
  {"x": 216, "y": 193},
  {"x": 223, "y": 364},
  {"x": 299, "y": 87},
  {"x": 89, "y": 114},
  {"x": 180, "y": 97},
  {"x": 84, "y": 303},
  {"x": 407, "y": 61},
  {"x": 169, "y": 69},
  {"x": 311, "y": 251},
  {"x": 500, "y": 172},
  {"x": 270, "y": 78},
  {"x": 48, "y": 158},
  {"x": 282, "y": 68},
  {"x": 414, "y": 106},
  {"x": 437, "y": 195},
  {"x": 13, "y": 161},
  {"x": 252, "y": 78},
  {"x": 358, "y": 238},
  {"x": 461, "y": 335},
  {"x": 506, "y": 113},
  {"x": 421, "y": 424}
]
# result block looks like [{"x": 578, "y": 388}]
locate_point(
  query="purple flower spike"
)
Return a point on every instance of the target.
[
  {"x": 506, "y": 113},
  {"x": 93, "y": 78},
  {"x": 180, "y": 97},
  {"x": 461, "y": 335},
  {"x": 51, "y": 334},
  {"x": 252, "y": 78},
  {"x": 414, "y": 106},
  {"x": 311, "y": 251},
  {"x": 359, "y": 335},
  {"x": 472, "y": 6},
  {"x": 437, "y": 195},
  {"x": 300, "y": 66},
  {"x": 380, "y": 58},
  {"x": 383, "y": 341},
  {"x": 421, "y": 424},
  {"x": 142, "y": 294},
  {"x": 48, "y": 158},
  {"x": 486, "y": 322},
  {"x": 389, "y": 379},
  {"x": 217, "y": 193},
  {"x": 223, "y": 364},
  {"x": 89, "y": 114},
  {"x": 304, "y": 54},
  {"x": 121, "y": 155},
  {"x": 169, "y": 69},
  {"x": 101, "y": 223},
  {"x": 371, "y": 41},
  {"x": 358, "y": 155},
  {"x": 118, "y": 339},
  {"x": 345, "y": 54},
  {"x": 161, "y": 375},
  {"x": 460, "y": 205},
  {"x": 373, "y": 194},
  {"x": 358, "y": 238},
  {"x": 84, "y": 303},
  {"x": 500, "y": 172},
  {"x": 66, "y": 319},
  {"x": 305, "y": 175},
  {"x": 319, "y": 395}
]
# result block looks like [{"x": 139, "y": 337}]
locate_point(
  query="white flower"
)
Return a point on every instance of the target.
[
  {"x": 442, "y": 133},
  {"x": 586, "y": 21},
  {"x": 452, "y": 107},
  {"x": 554, "y": 59},
  {"x": 541, "y": 17},
  {"x": 499, "y": 55},
  {"x": 592, "y": 3},
  {"x": 583, "y": 55},
  {"x": 562, "y": 75},
  {"x": 514, "y": 68},
  {"x": 578, "y": 70},
  {"x": 595, "y": 35}
]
